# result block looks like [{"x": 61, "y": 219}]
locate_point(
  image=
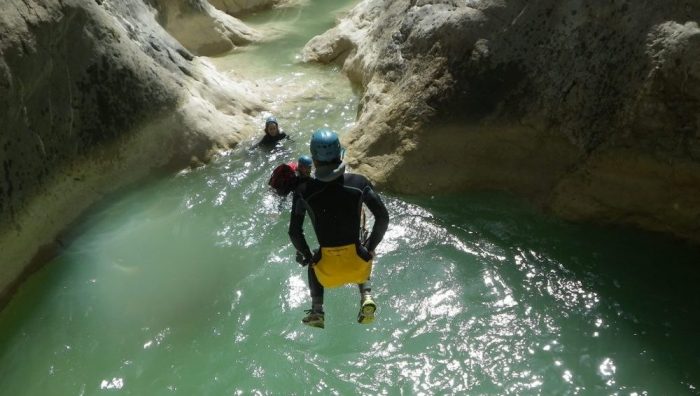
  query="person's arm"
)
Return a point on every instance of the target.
[
  {"x": 381, "y": 218},
  {"x": 296, "y": 229},
  {"x": 262, "y": 141}
]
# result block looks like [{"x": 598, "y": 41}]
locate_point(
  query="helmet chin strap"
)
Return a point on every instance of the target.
[{"x": 326, "y": 173}]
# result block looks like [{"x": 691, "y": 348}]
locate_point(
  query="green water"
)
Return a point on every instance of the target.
[{"x": 187, "y": 285}]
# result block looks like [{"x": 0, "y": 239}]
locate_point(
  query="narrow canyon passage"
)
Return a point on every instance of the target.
[{"x": 187, "y": 284}]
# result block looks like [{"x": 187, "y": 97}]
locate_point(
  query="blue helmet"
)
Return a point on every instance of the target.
[
  {"x": 325, "y": 145},
  {"x": 271, "y": 120},
  {"x": 305, "y": 160}
]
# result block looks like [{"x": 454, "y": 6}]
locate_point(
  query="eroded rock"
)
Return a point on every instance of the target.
[
  {"x": 201, "y": 28},
  {"x": 567, "y": 102},
  {"x": 238, "y": 7},
  {"x": 94, "y": 96}
]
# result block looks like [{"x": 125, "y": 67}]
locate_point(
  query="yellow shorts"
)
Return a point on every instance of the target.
[{"x": 342, "y": 265}]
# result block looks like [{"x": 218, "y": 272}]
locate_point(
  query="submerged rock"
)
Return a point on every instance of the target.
[
  {"x": 96, "y": 95},
  {"x": 591, "y": 110}
]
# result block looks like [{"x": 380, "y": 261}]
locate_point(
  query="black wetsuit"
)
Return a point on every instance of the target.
[
  {"x": 269, "y": 141},
  {"x": 335, "y": 211}
]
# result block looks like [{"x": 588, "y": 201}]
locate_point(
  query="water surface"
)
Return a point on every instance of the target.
[{"x": 187, "y": 284}]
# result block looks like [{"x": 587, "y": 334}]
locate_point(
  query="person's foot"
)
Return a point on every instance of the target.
[
  {"x": 367, "y": 308},
  {"x": 314, "y": 318}
]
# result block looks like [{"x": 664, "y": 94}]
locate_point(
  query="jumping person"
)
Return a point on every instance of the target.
[{"x": 334, "y": 202}]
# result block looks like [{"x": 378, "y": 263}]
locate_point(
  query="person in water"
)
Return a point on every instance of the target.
[
  {"x": 286, "y": 177},
  {"x": 304, "y": 164},
  {"x": 333, "y": 200},
  {"x": 273, "y": 133}
]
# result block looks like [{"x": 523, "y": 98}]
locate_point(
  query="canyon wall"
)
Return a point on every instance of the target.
[
  {"x": 590, "y": 109},
  {"x": 95, "y": 95}
]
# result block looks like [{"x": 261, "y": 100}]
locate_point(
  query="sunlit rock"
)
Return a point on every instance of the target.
[
  {"x": 591, "y": 110},
  {"x": 236, "y": 7},
  {"x": 201, "y": 28}
]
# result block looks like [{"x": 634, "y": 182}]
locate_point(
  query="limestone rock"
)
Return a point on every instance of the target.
[
  {"x": 201, "y": 28},
  {"x": 94, "y": 96},
  {"x": 569, "y": 103},
  {"x": 238, "y": 7}
]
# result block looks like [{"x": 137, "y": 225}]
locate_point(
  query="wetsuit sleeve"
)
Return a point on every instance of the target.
[
  {"x": 262, "y": 142},
  {"x": 296, "y": 226},
  {"x": 381, "y": 217}
]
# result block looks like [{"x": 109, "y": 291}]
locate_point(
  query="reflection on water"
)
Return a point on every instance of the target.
[{"x": 187, "y": 285}]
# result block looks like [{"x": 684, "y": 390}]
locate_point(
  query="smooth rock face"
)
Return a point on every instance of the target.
[
  {"x": 95, "y": 95},
  {"x": 237, "y": 7},
  {"x": 201, "y": 28},
  {"x": 592, "y": 110}
]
